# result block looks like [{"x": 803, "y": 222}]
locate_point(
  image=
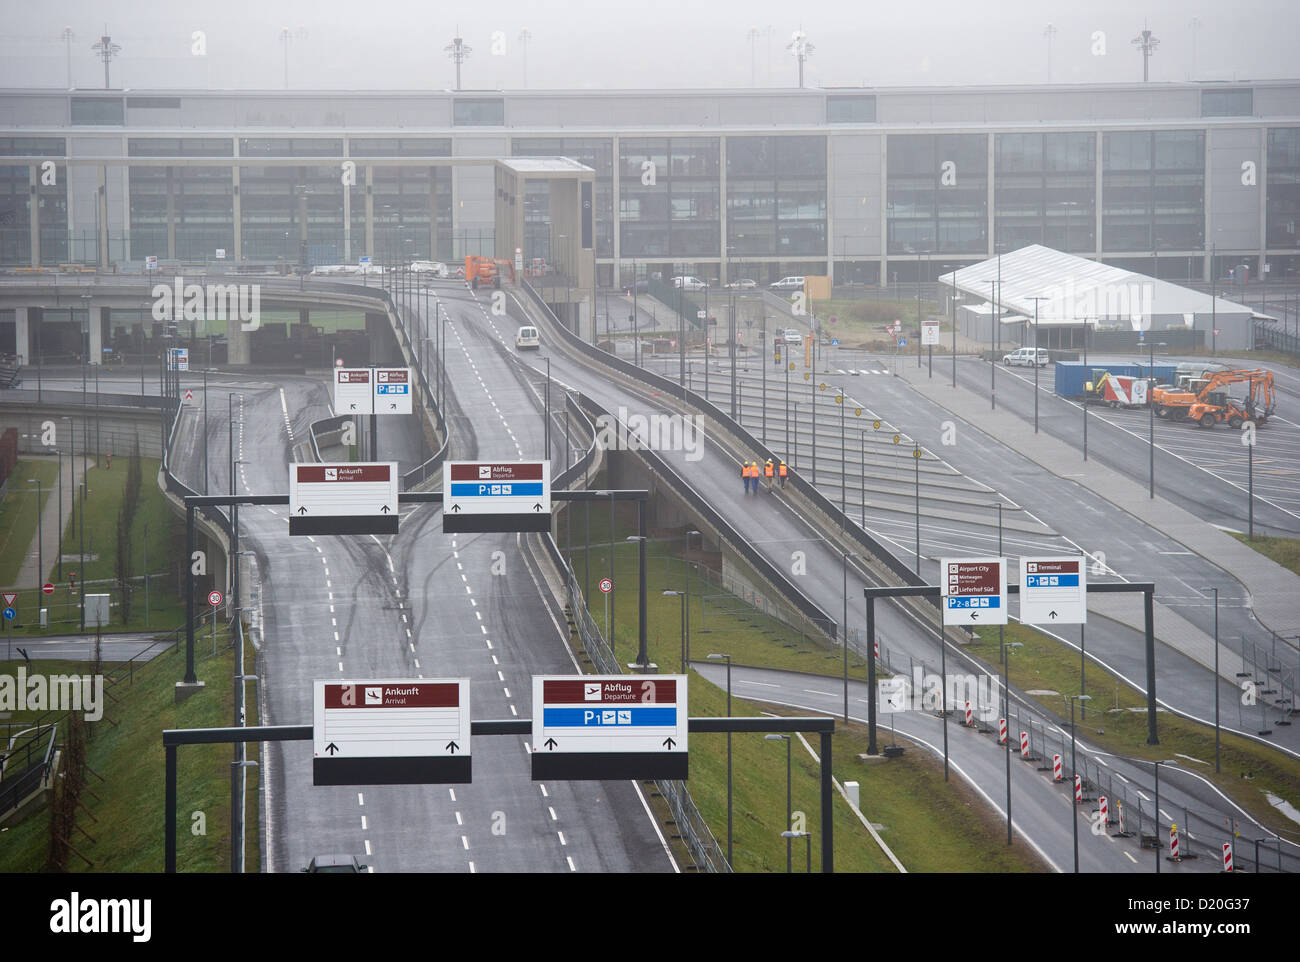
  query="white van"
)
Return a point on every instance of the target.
[
  {"x": 787, "y": 284},
  {"x": 527, "y": 339},
  {"x": 1026, "y": 356}
]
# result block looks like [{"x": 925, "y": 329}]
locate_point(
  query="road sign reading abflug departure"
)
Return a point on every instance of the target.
[
  {"x": 480, "y": 496},
  {"x": 353, "y": 391},
  {"x": 609, "y": 726},
  {"x": 1053, "y": 591},
  {"x": 343, "y": 498},
  {"x": 974, "y": 591},
  {"x": 391, "y": 732},
  {"x": 393, "y": 390}
]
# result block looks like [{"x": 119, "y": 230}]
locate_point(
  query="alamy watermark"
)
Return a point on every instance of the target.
[
  {"x": 36, "y": 692},
  {"x": 653, "y": 432},
  {"x": 201, "y": 303},
  {"x": 924, "y": 692}
]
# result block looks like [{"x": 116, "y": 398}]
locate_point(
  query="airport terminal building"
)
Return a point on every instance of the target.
[{"x": 870, "y": 185}]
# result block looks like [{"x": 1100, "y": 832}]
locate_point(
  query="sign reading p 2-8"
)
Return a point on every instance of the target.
[
  {"x": 973, "y": 591},
  {"x": 609, "y": 726}
]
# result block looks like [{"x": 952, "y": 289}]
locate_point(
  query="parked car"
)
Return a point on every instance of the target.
[
  {"x": 792, "y": 336},
  {"x": 335, "y": 864},
  {"x": 690, "y": 284},
  {"x": 787, "y": 284},
  {"x": 527, "y": 339},
  {"x": 1025, "y": 357},
  {"x": 742, "y": 284}
]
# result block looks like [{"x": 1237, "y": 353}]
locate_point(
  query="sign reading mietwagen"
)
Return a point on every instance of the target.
[{"x": 973, "y": 591}]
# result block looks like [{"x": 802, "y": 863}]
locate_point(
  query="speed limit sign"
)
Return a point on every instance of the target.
[
  {"x": 606, "y": 585},
  {"x": 214, "y": 598}
]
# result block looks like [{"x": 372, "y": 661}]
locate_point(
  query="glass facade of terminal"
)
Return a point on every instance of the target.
[
  {"x": 1153, "y": 190},
  {"x": 755, "y": 203},
  {"x": 669, "y": 197},
  {"x": 937, "y": 193},
  {"x": 1044, "y": 190}
]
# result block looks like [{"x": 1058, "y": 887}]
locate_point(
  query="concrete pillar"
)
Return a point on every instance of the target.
[
  {"x": 101, "y": 201},
  {"x": 35, "y": 206},
  {"x": 171, "y": 213},
  {"x": 370, "y": 211},
  {"x": 236, "y": 213},
  {"x": 20, "y": 335},
  {"x": 95, "y": 321},
  {"x": 238, "y": 343}
]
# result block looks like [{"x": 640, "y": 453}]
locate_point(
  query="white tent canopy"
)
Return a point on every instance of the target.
[{"x": 1075, "y": 290}]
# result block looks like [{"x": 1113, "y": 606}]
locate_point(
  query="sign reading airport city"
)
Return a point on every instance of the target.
[
  {"x": 609, "y": 726},
  {"x": 353, "y": 390},
  {"x": 346, "y": 498},
  {"x": 974, "y": 591},
  {"x": 1054, "y": 591},
  {"x": 480, "y": 496},
  {"x": 391, "y": 732},
  {"x": 393, "y": 390},
  {"x": 929, "y": 332}
]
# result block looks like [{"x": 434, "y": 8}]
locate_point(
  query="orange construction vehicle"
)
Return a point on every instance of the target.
[
  {"x": 1206, "y": 400},
  {"x": 487, "y": 271}
]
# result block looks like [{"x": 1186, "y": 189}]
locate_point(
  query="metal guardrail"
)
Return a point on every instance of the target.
[{"x": 15, "y": 788}]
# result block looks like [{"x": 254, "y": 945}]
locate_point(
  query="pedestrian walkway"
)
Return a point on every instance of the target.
[
  {"x": 28, "y": 575},
  {"x": 1273, "y": 589}
]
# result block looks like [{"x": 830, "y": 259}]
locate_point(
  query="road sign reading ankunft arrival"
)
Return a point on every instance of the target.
[
  {"x": 345, "y": 498},
  {"x": 407, "y": 731}
]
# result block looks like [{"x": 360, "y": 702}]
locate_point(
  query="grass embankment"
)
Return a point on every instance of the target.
[
  {"x": 123, "y": 829},
  {"x": 1270, "y": 357},
  {"x": 1249, "y": 770},
  {"x": 928, "y": 828},
  {"x": 1285, "y": 551},
  {"x": 19, "y": 513},
  {"x": 860, "y": 323},
  {"x": 163, "y": 546}
]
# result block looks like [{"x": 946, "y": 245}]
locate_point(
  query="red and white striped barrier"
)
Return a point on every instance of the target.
[
  {"x": 1119, "y": 814},
  {"x": 1102, "y": 810},
  {"x": 1078, "y": 789},
  {"x": 970, "y": 715},
  {"x": 1056, "y": 768},
  {"x": 1173, "y": 842},
  {"x": 876, "y": 646},
  {"x": 1024, "y": 744},
  {"x": 1227, "y": 856},
  {"x": 1002, "y": 731}
]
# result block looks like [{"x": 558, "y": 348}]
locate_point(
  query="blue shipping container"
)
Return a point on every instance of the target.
[{"x": 1073, "y": 376}]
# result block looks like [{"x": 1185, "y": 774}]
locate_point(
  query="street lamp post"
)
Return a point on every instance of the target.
[
  {"x": 1155, "y": 815},
  {"x": 718, "y": 657},
  {"x": 1036, "y": 300},
  {"x": 1074, "y": 775},
  {"x": 995, "y": 317},
  {"x": 40, "y": 536},
  {"x": 844, "y": 631},
  {"x": 1151, "y": 409},
  {"x": 1006, "y": 704},
  {"x": 789, "y": 855},
  {"x": 1216, "y": 675},
  {"x": 807, "y": 837}
]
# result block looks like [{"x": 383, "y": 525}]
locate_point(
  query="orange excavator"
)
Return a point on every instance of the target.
[
  {"x": 1206, "y": 400},
  {"x": 486, "y": 271}
]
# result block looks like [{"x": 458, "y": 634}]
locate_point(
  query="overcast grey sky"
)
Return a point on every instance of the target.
[{"x": 378, "y": 44}]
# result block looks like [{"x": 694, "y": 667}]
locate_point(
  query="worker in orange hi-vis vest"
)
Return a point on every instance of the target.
[
  {"x": 769, "y": 472},
  {"x": 781, "y": 471},
  {"x": 744, "y": 474}
]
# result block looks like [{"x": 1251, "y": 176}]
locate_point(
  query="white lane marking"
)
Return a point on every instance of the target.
[
  {"x": 507, "y": 691},
  {"x": 472, "y": 870},
  {"x": 364, "y": 826},
  {"x": 459, "y": 820},
  {"x": 368, "y": 852},
  {"x": 1130, "y": 858},
  {"x": 514, "y": 711},
  {"x": 452, "y": 793},
  {"x": 545, "y": 794},
  {"x": 361, "y": 799},
  {"x": 572, "y": 867},
  {"x": 464, "y": 841},
  {"x": 1143, "y": 797},
  {"x": 551, "y": 809},
  {"x": 562, "y": 841}
]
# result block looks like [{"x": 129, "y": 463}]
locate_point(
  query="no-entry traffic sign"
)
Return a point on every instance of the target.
[
  {"x": 480, "y": 496},
  {"x": 47, "y": 588},
  {"x": 408, "y": 731},
  {"x": 609, "y": 726},
  {"x": 346, "y": 498},
  {"x": 974, "y": 591},
  {"x": 214, "y": 598},
  {"x": 1053, "y": 591}
]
